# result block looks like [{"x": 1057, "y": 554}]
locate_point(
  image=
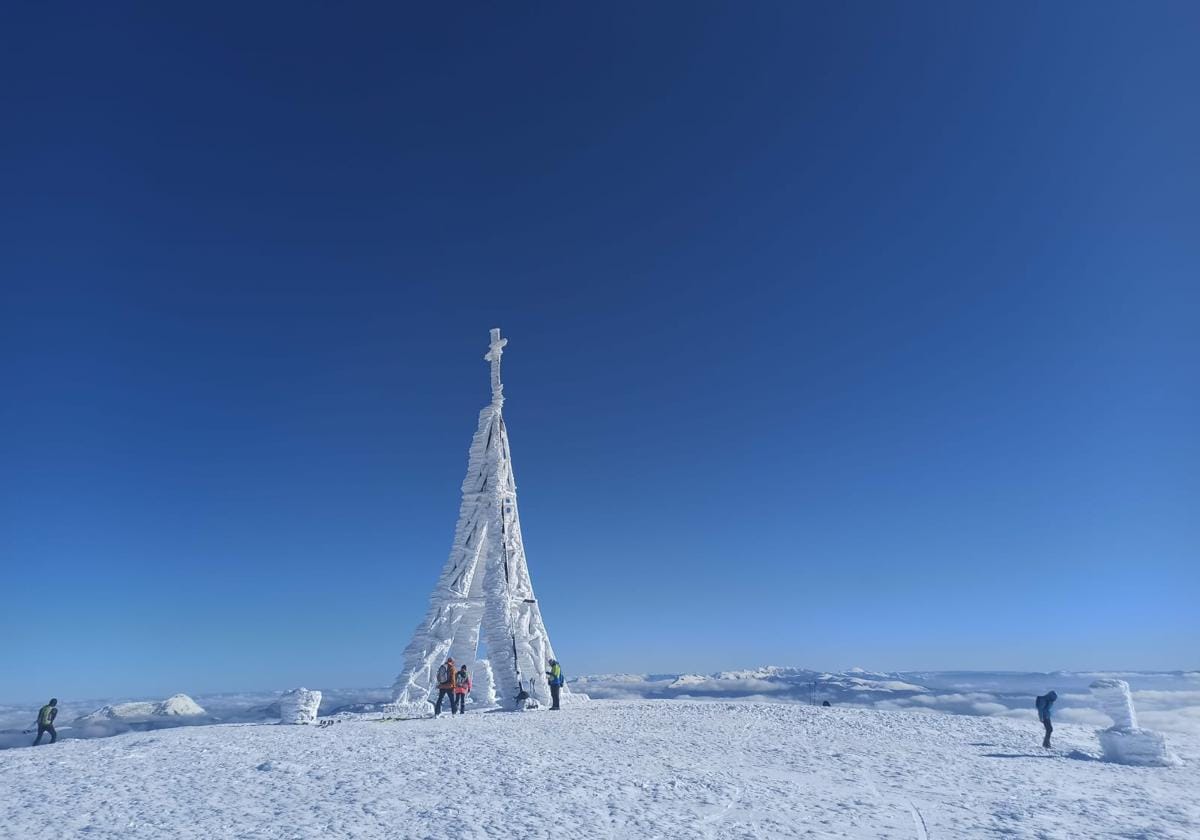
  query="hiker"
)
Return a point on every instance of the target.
[
  {"x": 1043, "y": 704},
  {"x": 45, "y": 723},
  {"x": 462, "y": 687},
  {"x": 555, "y": 677},
  {"x": 446, "y": 676}
]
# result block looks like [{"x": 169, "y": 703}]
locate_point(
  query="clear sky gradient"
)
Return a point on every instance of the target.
[{"x": 841, "y": 334}]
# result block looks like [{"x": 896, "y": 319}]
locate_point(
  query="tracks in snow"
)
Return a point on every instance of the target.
[
  {"x": 918, "y": 821},
  {"x": 922, "y": 830}
]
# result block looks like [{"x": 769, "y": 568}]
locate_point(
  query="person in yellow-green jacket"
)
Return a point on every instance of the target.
[
  {"x": 46, "y": 716},
  {"x": 555, "y": 677}
]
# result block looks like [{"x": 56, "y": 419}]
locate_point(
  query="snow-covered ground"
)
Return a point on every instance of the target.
[{"x": 638, "y": 769}]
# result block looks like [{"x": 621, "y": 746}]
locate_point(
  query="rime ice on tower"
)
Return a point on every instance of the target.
[
  {"x": 1124, "y": 742},
  {"x": 484, "y": 592}
]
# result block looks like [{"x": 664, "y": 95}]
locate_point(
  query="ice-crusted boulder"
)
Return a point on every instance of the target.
[
  {"x": 299, "y": 706},
  {"x": 1124, "y": 742}
]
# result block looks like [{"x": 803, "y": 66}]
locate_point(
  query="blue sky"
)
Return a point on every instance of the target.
[{"x": 841, "y": 334}]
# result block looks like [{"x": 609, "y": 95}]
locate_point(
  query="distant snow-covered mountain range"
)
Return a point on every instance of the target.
[
  {"x": 1165, "y": 700},
  {"x": 771, "y": 683},
  {"x": 179, "y": 705}
]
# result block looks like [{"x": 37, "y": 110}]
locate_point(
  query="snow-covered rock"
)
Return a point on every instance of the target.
[
  {"x": 299, "y": 706},
  {"x": 1124, "y": 742}
]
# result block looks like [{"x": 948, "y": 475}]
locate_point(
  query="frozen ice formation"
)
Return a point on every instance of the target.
[
  {"x": 483, "y": 687},
  {"x": 299, "y": 706},
  {"x": 484, "y": 593},
  {"x": 1124, "y": 742},
  {"x": 1116, "y": 701}
]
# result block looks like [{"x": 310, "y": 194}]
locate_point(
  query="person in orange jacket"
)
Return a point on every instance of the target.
[
  {"x": 462, "y": 687},
  {"x": 446, "y": 676}
]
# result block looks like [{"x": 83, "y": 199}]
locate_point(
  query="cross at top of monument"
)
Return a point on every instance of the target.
[{"x": 493, "y": 355}]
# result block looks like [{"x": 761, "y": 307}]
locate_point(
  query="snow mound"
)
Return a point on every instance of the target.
[{"x": 299, "y": 706}]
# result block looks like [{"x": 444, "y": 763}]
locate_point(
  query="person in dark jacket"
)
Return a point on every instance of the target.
[
  {"x": 446, "y": 678},
  {"x": 45, "y": 723},
  {"x": 1043, "y": 704},
  {"x": 555, "y": 677},
  {"x": 462, "y": 687}
]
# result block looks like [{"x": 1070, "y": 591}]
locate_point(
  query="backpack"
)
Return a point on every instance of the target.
[
  {"x": 1042, "y": 703},
  {"x": 443, "y": 675}
]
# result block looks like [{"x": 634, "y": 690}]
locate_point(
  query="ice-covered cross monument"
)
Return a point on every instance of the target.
[{"x": 484, "y": 592}]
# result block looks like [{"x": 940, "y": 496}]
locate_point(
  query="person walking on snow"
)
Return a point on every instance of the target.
[
  {"x": 555, "y": 678},
  {"x": 1043, "y": 704},
  {"x": 446, "y": 676},
  {"x": 462, "y": 687},
  {"x": 45, "y": 723}
]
